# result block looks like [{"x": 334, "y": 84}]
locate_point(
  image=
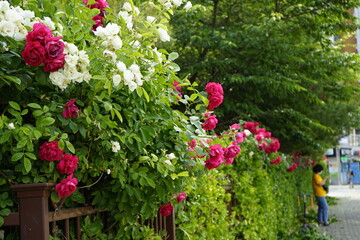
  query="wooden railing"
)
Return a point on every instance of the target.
[{"x": 34, "y": 218}]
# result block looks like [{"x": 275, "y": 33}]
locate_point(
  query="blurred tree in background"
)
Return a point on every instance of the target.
[{"x": 277, "y": 63}]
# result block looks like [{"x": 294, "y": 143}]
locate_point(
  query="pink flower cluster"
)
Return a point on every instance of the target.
[
  {"x": 266, "y": 143},
  {"x": 43, "y": 48},
  {"x": 218, "y": 155},
  {"x": 71, "y": 110},
  {"x": 215, "y": 95},
  {"x": 210, "y": 122},
  {"x": 177, "y": 88},
  {"x": 50, "y": 151},
  {"x": 98, "y": 19}
]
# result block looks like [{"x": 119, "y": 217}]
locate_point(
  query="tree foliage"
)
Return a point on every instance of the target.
[{"x": 277, "y": 64}]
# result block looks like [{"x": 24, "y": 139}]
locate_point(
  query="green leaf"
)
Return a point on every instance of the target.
[
  {"x": 150, "y": 182},
  {"x": 5, "y": 136},
  {"x": 45, "y": 121},
  {"x": 118, "y": 114},
  {"x": 34, "y": 105},
  {"x": 5, "y": 212},
  {"x": 70, "y": 147},
  {"x": 22, "y": 143},
  {"x": 27, "y": 164},
  {"x": 31, "y": 155},
  {"x": 17, "y": 156},
  {"x": 61, "y": 144},
  {"x": 107, "y": 106},
  {"x": 146, "y": 95},
  {"x": 14, "y": 105},
  {"x": 13, "y": 79},
  {"x": 173, "y": 56},
  {"x": 37, "y": 134},
  {"x": 184, "y": 174}
]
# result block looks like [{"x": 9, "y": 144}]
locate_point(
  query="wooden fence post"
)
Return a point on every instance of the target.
[{"x": 33, "y": 210}]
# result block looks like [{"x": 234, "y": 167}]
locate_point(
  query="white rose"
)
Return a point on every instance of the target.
[
  {"x": 59, "y": 79},
  {"x": 134, "y": 68},
  {"x": 171, "y": 156},
  {"x": 132, "y": 86},
  {"x": 13, "y": 16},
  {"x": 71, "y": 48},
  {"x": 116, "y": 80},
  {"x": 128, "y": 76},
  {"x": 101, "y": 32},
  {"x": 49, "y": 23},
  {"x": 87, "y": 76},
  {"x": 247, "y": 132},
  {"x": 72, "y": 60},
  {"x": 139, "y": 82},
  {"x": 150, "y": 19},
  {"x": 177, "y": 2},
  {"x": 11, "y": 126},
  {"x": 7, "y": 29},
  {"x": 20, "y": 35},
  {"x": 164, "y": 36},
  {"x": 187, "y": 6},
  {"x": 125, "y": 15},
  {"x": 3, "y": 47},
  {"x": 121, "y": 66},
  {"x": 4, "y": 6},
  {"x": 129, "y": 25},
  {"x": 108, "y": 171},
  {"x": 115, "y": 42},
  {"x": 110, "y": 55},
  {"x": 158, "y": 54},
  {"x": 168, "y": 162},
  {"x": 136, "y": 11},
  {"x": 112, "y": 28},
  {"x": 168, "y": 5},
  {"x": 135, "y": 44},
  {"x": 84, "y": 58},
  {"x": 115, "y": 146},
  {"x": 127, "y": 7}
]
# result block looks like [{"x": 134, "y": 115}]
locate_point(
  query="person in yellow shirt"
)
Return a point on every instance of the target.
[{"x": 318, "y": 182}]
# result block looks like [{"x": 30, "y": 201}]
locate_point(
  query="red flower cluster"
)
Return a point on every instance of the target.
[
  {"x": 276, "y": 161},
  {"x": 215, "y": 95},
  {"x": 293, "y": 167},
  {"x": 166, "y": 210},
  {"x": 50, "y": 151},
  {"x": 210, "y": 122},
  {"x": 71, "y": 110},
  {"x": 43, "y": 48},
  {"x": 273, "y": 147},
  {"x": 216, "y": 157},
  {"x": 230, "y": 153},
  {"x": 251, "y": 126},
  {"x": 101, "y": 5}
]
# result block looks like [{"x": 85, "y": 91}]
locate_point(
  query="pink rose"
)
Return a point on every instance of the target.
[
  {"x": 71, "y": 110},
  {"x": 177, "y": 87},
  {"x": 214, "y": 101},
  {"x": 166, "y": 210},
  {"x": 276, "y": 161},
  {"x": 54, "y": 48},
  {"x": 212, "y": 163},
  {"x": 39, "y": 33},
  {"x": 232, "y": 151},
  {"x": 229, "y": 160},
  {"x": 293, "y": 167},
  {"x": 67, "y": 164},
  {"x": 240, "y": 137},
  {"x": 210, "y": 123},
  {"x": 192, "y": 145},
  {"x": 213, "y": 88},
  {"x": 52, "y": 65},
  {"x": 67, "y": 186},
  {"x": 181, "y": 197},
  {"x": 100, "y": 4},
  {"x": 50, "y": 151},
  {"x": 251, "y": 126},
  {"x": 33, "y": 54},
  {"x": 235, "y": 126},
  {"x": 216, "y": 157}
]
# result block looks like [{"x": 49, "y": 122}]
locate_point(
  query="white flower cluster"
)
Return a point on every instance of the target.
[
  {"x": 112, "y": 41},
  {"x": 177, "y": 3},
  {"x": 75, "y": 69},
  {"x": 127, "y": 15},
  {"x": 132, "y": 76},
  {"x": 13, "y": 21}
]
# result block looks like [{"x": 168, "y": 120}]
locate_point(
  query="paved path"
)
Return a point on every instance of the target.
[{"x": 347, "y": 212}]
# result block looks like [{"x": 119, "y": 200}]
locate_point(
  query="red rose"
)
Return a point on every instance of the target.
[
  {"x": 231, "y": 151},
  {"x": 67, "y": 186},
  {"x": 210, "y": 123},
  {"x": 54, "y": 48},
  {"x": 38, "y": 34},
  {"x": 166, "y": 210},
  {"x": 67, "y": 164},
  {"x": 251, "y": 126},
  {"x": 33, "y": 54},
  {"x": 50, "y": 151},
  {"x": 216, "y": 157},
  {"x": 98, "y": 21},
  {"x": 214, "y": 101},
  {"x": 229, "y": 160},
  {"x": 181, "y": 197},
  {"x": 52, "y": 65},
  {"x": 213, "y": 88},
  {"x": 71, "y": 110},
  {"x": 276, "y": 161},
  {"x": 273, "y": 147},
  {"x": 293, "y": 167},
  {"x": 235, "y": 126}
]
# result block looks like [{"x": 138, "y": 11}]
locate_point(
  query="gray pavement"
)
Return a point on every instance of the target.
[{"x": 347, "y": 212}]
